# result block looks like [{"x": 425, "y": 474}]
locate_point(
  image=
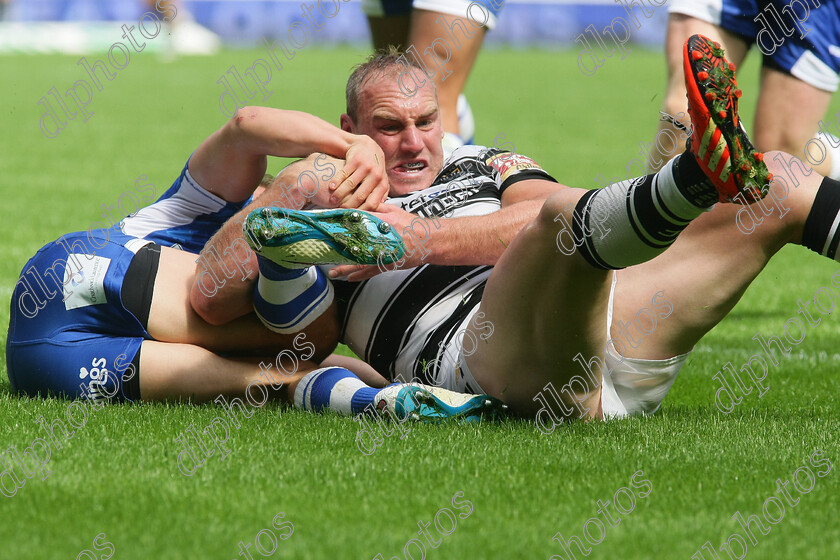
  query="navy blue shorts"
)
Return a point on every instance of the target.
[
  {"x": 793, "y": 36},
  {"x": 79, "y": 310},
  {"x": 70, "y": 332}
]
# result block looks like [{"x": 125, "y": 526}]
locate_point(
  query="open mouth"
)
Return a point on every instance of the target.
[{"x": 411, "y": 167}]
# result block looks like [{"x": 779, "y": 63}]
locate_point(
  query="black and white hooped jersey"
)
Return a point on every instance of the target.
[{"x": 396, "y": 320}]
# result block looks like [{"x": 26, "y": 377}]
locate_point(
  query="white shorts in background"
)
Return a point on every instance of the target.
[{"x": 479, "y": 12}]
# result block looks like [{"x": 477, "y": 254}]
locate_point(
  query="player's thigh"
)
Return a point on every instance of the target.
[
  {"x": 664, "y": 306},
  {"x": 172, "y": 318},
  {"x": 546, "y": 304},
  {"x": 187, "y": 372},
  {"x": 788, "y": 113},
  {"x": 456, "y": 41}
]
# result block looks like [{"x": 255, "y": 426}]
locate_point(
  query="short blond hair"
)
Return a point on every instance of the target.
[{"x": 389, "y": 60}]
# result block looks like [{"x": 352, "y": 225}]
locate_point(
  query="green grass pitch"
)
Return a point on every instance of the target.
[{"x": 118, "y": 475}]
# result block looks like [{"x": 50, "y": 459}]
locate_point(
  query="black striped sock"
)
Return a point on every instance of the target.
[
  {"x": 820, "y": 233},
  {"x": 641, "y": 218},
  {"x": 692, "y": 182}
]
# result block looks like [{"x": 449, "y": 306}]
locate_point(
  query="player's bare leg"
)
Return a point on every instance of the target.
[
  {"x": 786, "y": 119},
  {"x": 184, "y": 372},
  {"x": 548, "y": 296},
  {"x": 545, "y": 308},
  {"x": 712, "y": 263},
  {"x": 171, "y": 371},
  {"x": 703, "y": 274},
  {"x": 182, "y": 363},
  {"x": 450, "y": 76},
  {"x": 680, "y": 28}
]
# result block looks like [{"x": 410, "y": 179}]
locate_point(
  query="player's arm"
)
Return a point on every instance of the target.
[
  {"x": 233, "y": 160},
  {"x": 477, "y": 240},
  {"x": 472, "y": 240},
  {"x": 481, "y": 240},
  {"x": 300, "y": 183},
  {"x": 363, "y": 370}
]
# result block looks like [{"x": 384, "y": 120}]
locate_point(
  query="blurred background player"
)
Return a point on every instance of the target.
[
  {"x": 799, "y": 43},
  {"x": 444, "y": 36},
  {"x": 181, "y": 34}
]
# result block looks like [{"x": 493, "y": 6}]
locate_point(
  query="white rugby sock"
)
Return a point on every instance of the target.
[
  {"x": 336, "y": 389},
  {"x": 287, "y": 300}
]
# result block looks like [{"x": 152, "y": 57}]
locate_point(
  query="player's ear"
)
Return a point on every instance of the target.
[{"x": 347, "y": 124}]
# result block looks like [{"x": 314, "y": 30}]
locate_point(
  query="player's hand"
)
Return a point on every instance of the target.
[
  {"x": 415, "y": 232},
  {"x": 362, "y": 182}
]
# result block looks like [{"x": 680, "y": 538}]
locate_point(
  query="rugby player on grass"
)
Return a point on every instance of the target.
[
  {"x": 106, "y": 314},
  {"x": 552, "y": 294},
  {"x": 545, "y": 304}
]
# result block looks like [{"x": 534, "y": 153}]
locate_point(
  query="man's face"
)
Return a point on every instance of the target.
[{"x": 408, "y": 129}]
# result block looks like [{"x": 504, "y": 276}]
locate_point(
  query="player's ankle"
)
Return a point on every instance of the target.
[{"x": 692, "y": 181}]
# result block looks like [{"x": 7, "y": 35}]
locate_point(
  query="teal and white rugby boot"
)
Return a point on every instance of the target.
[
  {"x": 298, "y": 239},
  {"x": 425, "y": 403}
]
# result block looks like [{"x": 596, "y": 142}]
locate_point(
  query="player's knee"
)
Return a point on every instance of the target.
[
  {"x": 789, "y": 173},
  {"x": 556, "y": 221},
  {"x": 561, "y": 203},
  {"x": 779, "y": 162},
  {"x": 784, "y": 194}
]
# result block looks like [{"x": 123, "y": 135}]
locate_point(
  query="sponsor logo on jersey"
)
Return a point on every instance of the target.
[
  {"x": 463, "y": 169},
  {"x": 444, "y": 201},
  {"x": 507, "y": 164}
]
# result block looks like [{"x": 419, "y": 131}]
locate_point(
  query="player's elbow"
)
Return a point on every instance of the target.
[
  {"x": 239, "y": 125},
  {"x": 203, "y": 304}
]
